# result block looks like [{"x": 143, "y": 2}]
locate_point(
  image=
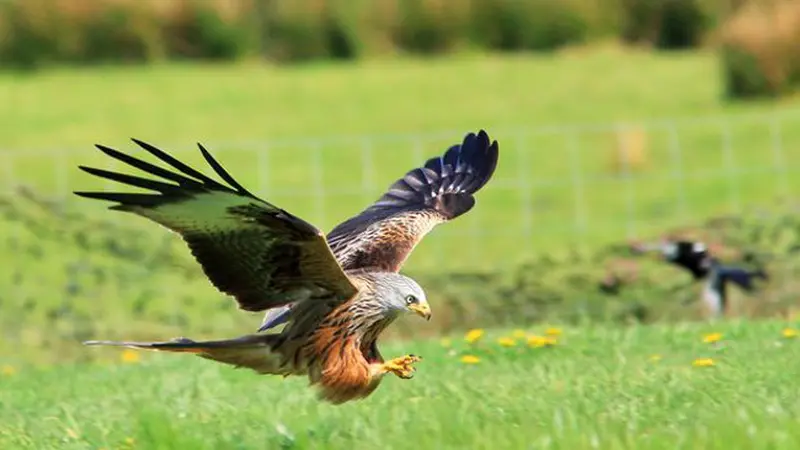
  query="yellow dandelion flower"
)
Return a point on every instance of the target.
[
  {"x": 507, "y": 342},
  {"x": 535, "y": 341},
  {"x": 470, "y": 359},
  {"x": 473, "y": 336},
  {"x": 541, "y": 341},
  {"x": 129, "y": 356},
  {"x": 552, "y": 331},
  {"x": 712, "y": 338},
  {"x": 446, "y": 342},
  {"x": 130, "y": 440},
  {"x": 703, "y": 362},
  {"x": 789, "y": 333},
  {"x": 518, "y": 334},
  {"x": 655, "y": 358},
  {"x": 8, "y": 371}
]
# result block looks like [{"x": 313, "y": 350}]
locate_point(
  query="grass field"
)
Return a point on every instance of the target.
[
  {"x": 596, "y": 388},
  {"x": 300, "y": 137},
  {"x": 73, "y": 108},
  {"x": 323, "y": 141}
]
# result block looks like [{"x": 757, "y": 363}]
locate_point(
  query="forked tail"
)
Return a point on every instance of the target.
[{"x": 252, "y": 351}]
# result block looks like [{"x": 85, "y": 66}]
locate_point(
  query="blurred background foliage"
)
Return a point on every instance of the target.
[
  {"x": 100, "y": 267},
  {"x": 757, "y": 39},
  {"x": 109, "y": 269}
]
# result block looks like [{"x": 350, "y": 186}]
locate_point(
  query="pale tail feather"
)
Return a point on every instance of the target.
[
  {"x": 252, "y": 351},
  {"x": 275, "y": 317}
]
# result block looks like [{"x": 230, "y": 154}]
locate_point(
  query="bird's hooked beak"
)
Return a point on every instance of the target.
[{"x": 421, "y": 309}]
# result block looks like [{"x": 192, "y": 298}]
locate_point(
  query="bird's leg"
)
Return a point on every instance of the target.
[{"x": 402, "y": 366}]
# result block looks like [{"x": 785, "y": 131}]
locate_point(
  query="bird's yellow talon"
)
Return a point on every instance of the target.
[
  {"x": 402, "y": 366},
  {"x": 392, "y": 367}
]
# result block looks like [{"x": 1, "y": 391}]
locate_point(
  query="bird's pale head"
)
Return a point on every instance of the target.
[{"x": 400, "y": 294}]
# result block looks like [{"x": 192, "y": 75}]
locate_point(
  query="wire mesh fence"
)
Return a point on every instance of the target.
[{"x": 554, "y": 186}]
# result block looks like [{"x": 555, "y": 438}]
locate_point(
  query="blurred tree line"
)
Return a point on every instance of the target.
[{"x": 759, "y": 40}]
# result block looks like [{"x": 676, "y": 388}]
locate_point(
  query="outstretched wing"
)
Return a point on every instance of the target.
[
  {"x": 741, "y": 276},
  {"x": 252, "y": 250},
  {"x": 382, "y": 236}
]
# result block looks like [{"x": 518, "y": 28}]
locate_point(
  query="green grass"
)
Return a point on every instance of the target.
[
  {"x": 263, "y": 123},
  {"x": 598, "y": 388}
]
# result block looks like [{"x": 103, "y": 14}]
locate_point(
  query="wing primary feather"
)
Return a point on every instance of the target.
[
  {"x": 179, "y": 165},
  {"x": 260, "y": 254},
  {"x": 222, "y": 172},
  {"x": 434, "y": 164},
  {"x": 144, "y": 183},
  {"x": 126, "y": 200},
  {"x": 147, "y": 167},
  {"x": 445, "y": 184},
  {"x": 451, "y": 156},
  {"x": 430, "y": 175}
]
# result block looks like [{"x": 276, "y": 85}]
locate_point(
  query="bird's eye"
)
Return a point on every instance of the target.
[{"x": 410, "y": 299}]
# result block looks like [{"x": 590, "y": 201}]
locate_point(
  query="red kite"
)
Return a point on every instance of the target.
[{"x": 335, "y": 293}]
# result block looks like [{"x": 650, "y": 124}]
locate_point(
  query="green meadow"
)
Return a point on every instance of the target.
[
  {"x": 323, "y": 141},
  {"x": 611, "y": 388}
]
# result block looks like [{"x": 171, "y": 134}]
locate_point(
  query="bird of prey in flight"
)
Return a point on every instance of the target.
[{"x": 335, "y": 294}]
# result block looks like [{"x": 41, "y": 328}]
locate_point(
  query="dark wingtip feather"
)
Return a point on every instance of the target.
[
  {"x": 188, "y": 182},
  {"x": 484, "y": 155},
  {"x": 447, "y": 182},
  {"x": 443, "y": 185},
  {"x": 742, "y": 277},
  {"x": 185, "y": 169},
  {"x": 222, "y": 172},
  {"x": 140, "y": 142}
]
